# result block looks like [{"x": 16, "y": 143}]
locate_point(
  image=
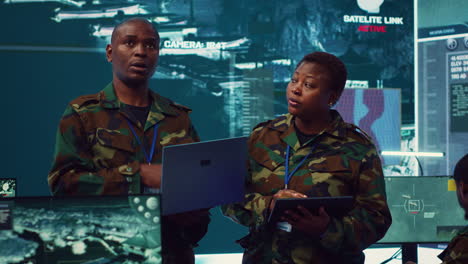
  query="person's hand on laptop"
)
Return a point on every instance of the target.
[{"x": 151, "y": 175}]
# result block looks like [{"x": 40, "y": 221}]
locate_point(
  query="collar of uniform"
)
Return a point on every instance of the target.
[
  {"x": 159, "y": 109},
  {"x": 338, "y": 126},
  {"x": 108, "y": 98},
  {"x": 162, "y": 104},
  {"x": 336, "y": 130},
  {"x": 283, "y": 124}
]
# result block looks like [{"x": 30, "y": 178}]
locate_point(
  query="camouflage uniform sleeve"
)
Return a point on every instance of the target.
[
  {"x": 254, "y": 210},
  {"x": 457, "y": 251},
  {"x": 73, "y": 171},
  {"x": 369, "y": 220}
]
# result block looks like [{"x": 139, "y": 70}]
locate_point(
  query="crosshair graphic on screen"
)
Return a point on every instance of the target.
[{"x": 414, "y": 206}]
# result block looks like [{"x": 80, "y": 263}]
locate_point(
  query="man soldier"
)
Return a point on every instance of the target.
[{"x": 110, "y": 143}]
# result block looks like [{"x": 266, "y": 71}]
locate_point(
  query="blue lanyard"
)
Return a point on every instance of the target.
[
  {"x": 149, "y": 157},
  {"x": 287, "y": 175}
]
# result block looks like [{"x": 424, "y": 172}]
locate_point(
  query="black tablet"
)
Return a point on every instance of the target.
[{"x": 336, "y": 206}]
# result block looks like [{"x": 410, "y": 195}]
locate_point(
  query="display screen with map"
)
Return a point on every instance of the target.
[{"x": 91, "y": 230}]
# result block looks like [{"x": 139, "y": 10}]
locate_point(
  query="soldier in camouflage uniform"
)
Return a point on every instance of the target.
[
  {"x": 104, "y": 141},
  {"x": 457, "y": 250},
  {"x": 325, "y": 157}
]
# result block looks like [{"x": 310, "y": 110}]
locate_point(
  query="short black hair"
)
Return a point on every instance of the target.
[
  {"x": 130, "y": 20},
  {"x": 461, "y": 170},
  {"x": 336, "y": 69}
]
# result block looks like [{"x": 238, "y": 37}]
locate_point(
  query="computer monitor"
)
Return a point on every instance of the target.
[
  {"x": 424, "y": 210},
  {"x": 98, "y": 229},
  {"x": 442, "y": 89}
]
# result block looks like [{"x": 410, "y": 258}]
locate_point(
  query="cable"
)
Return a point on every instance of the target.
[
  {"x": 420, "y": 167},
  {"x": 394, "y": 256}
]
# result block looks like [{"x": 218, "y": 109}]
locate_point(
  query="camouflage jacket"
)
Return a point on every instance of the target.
[
  {"x": 457, "y": 251},
  {"x": 97, "y": 154},
  {"x": 343, "y": 162}
]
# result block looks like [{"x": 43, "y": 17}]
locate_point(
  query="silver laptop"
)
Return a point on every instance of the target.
[{"x": 203, "y": 174}]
